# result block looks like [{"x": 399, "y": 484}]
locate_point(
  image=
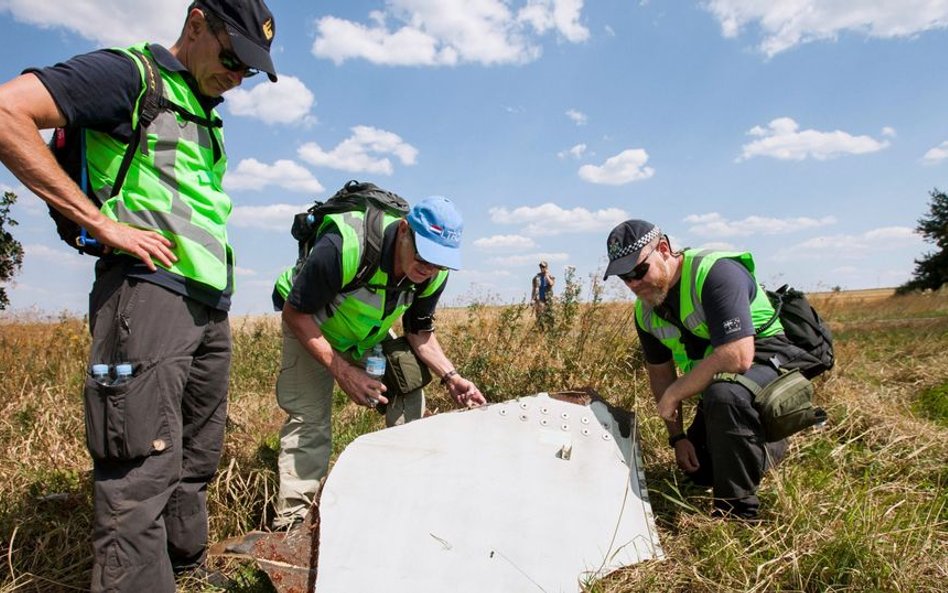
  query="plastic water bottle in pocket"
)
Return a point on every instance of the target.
[
  {"x": 100, "y": 374},
  {"x": 123, "y": 373}
]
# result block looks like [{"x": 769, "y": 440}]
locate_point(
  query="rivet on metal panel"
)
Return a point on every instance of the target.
[
  {"x": 544, "y": 410},
  {"x": 585, "y": 420},
  {"x": 585, "y": 432},
  {"x": 564, "y": 415},
  {"x": 544, "y": 422},
  {"x": 503, "y": 411},
  {"x": 606, "y": 426},
  {"x": 565, "y": 427},
  {"x": 524, "y": 417},
  {"x": 523, "y": 405},
  {"x": 606, "y": 437}
]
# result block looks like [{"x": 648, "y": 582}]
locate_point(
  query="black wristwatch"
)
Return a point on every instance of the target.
[{"x": 674, "y": 439}]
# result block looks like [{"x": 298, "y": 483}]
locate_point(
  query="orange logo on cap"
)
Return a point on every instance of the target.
[{"x": 268, "y": 29}]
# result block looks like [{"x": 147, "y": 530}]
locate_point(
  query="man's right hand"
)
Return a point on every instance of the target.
[
  {"x": 145, "y": 245},
  {"x": 359, "y": 386},
  {"x": 686, "y": 456}
]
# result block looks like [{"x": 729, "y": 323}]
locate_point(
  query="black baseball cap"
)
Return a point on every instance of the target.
[
  {"x": 251, "y": 29},
  {"x": 625, "y": 243}
]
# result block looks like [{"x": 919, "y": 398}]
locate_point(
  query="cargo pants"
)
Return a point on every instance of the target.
[
  {"x": 305, "y": 392},
  {"x": 729, "y": 442},
  {"x": 155, "y": 440}
]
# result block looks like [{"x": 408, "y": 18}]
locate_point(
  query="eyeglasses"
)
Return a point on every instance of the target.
[
  {"x": 229, "y": 60},
  {"x": 640, "y": 270},
  {"x": 418, "y": 258}
]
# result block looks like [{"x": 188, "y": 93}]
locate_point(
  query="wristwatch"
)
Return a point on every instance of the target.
[{"x": 674, "y": 439}]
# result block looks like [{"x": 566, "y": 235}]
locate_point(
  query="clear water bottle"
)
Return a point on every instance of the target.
[
  {"x": 123, "y": 373},
  {"x": 375, "y": 363},
  {"x": 100, "y": 374}
]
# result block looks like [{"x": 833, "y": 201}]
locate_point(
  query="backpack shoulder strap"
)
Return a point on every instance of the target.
[
  {"x": 372, "y": 250},
  {"x": 150, "y": 105}
]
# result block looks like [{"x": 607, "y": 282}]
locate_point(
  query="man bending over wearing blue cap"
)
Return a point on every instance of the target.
[{"x": 327, "y": 332}]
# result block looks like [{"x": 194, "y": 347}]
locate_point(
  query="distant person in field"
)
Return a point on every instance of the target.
[
  {"x": 696, "y": 313},
  {"x": 164, "y": 282},
  {"x": 327, "y": 333},
  {"x": 541, "y": 293}
]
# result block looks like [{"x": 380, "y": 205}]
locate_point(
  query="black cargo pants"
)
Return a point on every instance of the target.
[
  {"x": 729, "y": 441},
  {"x": 156, "y": 440}
]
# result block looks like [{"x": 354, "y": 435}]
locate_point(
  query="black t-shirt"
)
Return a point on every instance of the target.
[
  {"x": 726, "y": 297},
  {"x": 320, "y": 279},
  {"x": 98, "y": 91}
]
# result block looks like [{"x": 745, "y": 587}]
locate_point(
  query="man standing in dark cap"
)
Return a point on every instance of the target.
[
  {"x": 156, "y": 394},
  {"x": 699, "y": 311}
]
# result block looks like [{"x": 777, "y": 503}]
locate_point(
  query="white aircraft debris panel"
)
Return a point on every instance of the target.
[{"x": 530, "y": 495}]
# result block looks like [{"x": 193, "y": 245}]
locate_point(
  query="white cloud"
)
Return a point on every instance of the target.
[
  {"x": 718, "y": 246},
  {"x": 287, "y": 101},
  {"x": 561, "y": 15},
  {"x": 625, "y": 167},
  {"x": 715, "y": 225},
  {"x": 579, "y": 118},
  {"x": 360, "y": 153},
  {"x": 852, "y": 247},
  {"x": 244, "y": 272},
  {"x": 786, "y": 23},
  {"x": 106, "y": 22},
  {"x": 62, "y": 255},
  {"x": 251, "y": 174},
  {"x": 937, "y": 154},
  {"x": 576, "y": 152},
  {"x": 550, "y": 219},
  {"x": 527, "y": 259},
  {"x": 448, "y": 32},
  {"x": 889, "y": 132},
  {"x": 504, "y": 242},
  {"x": 782, "y": 139},
  {"x": 275, "y": 217}
]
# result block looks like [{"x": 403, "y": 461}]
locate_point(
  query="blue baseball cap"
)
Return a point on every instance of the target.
[{"x": 438, "y": 227}]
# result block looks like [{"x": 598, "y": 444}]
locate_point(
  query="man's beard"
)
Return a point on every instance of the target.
[
  {"x": 654, "y": 297},
  {"x": 656, "y": 292}
]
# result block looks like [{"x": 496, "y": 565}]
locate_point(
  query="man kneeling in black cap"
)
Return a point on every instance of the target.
[{"x": 699, "y": 311}]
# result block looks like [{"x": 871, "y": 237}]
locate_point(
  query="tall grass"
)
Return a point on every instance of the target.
[{"x": 859, "y": 506}]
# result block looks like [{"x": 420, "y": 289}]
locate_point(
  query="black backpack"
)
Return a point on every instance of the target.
[
  {"x": 354, "y": 195},
  {"x": 68, "y": 147},
  {"x": 805, "y": 328}
]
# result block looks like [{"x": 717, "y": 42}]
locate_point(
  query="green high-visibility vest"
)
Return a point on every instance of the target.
[
  {"x": 176, "y": 187},
  {"x": 355, "y": 320},
  {"x": 694, "y": 270}
]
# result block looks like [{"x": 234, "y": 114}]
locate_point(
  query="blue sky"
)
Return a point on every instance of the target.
[{"x": 809, "y": 132}]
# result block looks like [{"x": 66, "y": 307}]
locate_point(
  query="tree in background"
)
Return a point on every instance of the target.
[
  {"x": 11, "y": 252},
  {"x": 931, "y": 272}
]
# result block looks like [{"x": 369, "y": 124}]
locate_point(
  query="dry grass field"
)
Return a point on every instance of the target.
[{"x": 861, "y": 505}]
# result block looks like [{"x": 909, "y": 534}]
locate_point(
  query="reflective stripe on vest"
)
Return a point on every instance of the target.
[
  {"x": 695, "y": 267},
  {"x": 175, "y": 189}
]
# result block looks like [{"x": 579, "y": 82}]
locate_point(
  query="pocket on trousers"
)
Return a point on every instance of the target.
[{"x": 126, "y": 421}]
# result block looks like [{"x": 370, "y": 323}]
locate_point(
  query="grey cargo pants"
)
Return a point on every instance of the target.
[{"x": 156, "y": 440}]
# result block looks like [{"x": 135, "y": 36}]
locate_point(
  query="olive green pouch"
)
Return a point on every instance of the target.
[
  {"x": 785, "y": 404},
  {"x": 404, "y": 372}
]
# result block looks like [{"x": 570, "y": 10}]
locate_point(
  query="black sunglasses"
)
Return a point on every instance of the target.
[
  {"x": 640, "y": 270},
  {"x": 229, "y": 60},
  {"x": 418, "y": 258}
]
